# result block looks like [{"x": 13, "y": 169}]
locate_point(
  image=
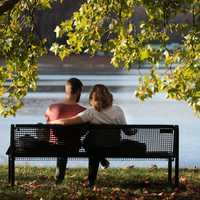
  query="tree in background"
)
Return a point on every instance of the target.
[
  {"x": 108, "y": 26},
  {"x": 21, "y": 48}
]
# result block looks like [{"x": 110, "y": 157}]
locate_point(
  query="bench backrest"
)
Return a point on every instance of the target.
[{"x": 41, "y": 137}]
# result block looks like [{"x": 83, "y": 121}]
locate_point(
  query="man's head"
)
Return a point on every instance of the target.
[{"x": 73, "y": 87}]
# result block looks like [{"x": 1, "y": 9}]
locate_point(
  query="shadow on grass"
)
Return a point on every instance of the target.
[{"x": 141, "y": 184}]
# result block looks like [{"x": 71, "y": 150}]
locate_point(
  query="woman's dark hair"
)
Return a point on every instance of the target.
[
  {"x": 103, "y": 97},
  {"x": 76, "y": 86}
]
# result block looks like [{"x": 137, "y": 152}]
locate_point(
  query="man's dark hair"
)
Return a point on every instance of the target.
[{"x": 76, "y": 85}]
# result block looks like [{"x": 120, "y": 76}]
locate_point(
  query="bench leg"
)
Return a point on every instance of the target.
[
  {"x": 170, "y": 171},
  {"x": 11, "y": 171},
  {"x": 176, "y": 172}
]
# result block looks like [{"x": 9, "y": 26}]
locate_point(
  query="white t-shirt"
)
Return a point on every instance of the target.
[{"x": 111, "y": 115}]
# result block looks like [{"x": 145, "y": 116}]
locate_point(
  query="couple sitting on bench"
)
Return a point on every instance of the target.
[{"x": 102, "y": 111}]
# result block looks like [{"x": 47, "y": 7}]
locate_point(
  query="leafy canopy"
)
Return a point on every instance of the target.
[{"x": 108, "y": 26}]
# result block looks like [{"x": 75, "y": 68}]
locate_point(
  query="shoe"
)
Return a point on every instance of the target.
[
  {"x": 58, "y": 181},
  {"x": 105, "y": 163},
  {"x": 90, "y": 185}
]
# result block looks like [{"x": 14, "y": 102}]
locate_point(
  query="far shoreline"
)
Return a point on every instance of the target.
[{"x": 85, "y": 65}]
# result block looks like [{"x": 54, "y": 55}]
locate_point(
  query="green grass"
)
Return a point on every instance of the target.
[{"x": 135, "y": 183}]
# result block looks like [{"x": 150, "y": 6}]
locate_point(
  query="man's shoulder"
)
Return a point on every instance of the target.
[
  {"x": 63, "y": 104},
  {"x": 56, "y": 105}
]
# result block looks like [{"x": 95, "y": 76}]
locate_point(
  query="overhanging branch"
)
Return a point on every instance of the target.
[{"x": 8, "y": 5}]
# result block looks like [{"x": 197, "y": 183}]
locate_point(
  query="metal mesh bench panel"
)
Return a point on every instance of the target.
[
  {"x": 156, "y": 139},
  {"x": 43, "y": 141}
]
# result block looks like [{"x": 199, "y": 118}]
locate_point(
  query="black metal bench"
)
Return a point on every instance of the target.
[{"x": 31, "y": 141}]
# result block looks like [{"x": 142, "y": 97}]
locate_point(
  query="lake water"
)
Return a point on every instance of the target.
[{"x": 155, "y": 111}]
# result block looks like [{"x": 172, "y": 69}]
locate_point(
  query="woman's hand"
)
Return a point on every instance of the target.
[
  {"x": 59, "y": 121},
  {"x": 68, "y": 121}
]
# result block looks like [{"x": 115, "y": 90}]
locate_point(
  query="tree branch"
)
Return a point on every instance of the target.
[{"x": 7, "y": 5}]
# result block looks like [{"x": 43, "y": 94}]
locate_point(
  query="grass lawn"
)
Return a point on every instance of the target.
[{"x": 131, "y": 183}]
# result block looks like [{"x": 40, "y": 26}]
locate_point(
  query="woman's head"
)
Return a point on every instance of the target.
[
  {"x": 100, "y": 97},
  {"x": 74, "y": 87}
]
